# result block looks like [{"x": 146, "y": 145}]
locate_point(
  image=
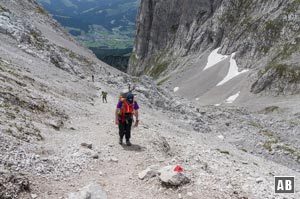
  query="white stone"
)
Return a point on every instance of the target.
[
  {"x": 147, "y": 173},
  {"x": 170, "y": 177},
  {"x": 91, "y": 191},
  {"x": 114, "y": 159},
  {"x": 221, "y": 137},
  {"x": 259, "y": 180},
  {"x": 189, "y": 193}
]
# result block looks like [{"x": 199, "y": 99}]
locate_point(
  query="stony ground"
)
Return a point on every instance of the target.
[
  {"x": 216, "y": 168},
  {"x": 56, "y": 135}
]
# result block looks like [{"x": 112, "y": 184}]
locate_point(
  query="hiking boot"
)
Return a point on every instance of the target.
[
  {"x": 128, "y": 143},
  {"x": 121, "y": 141}
]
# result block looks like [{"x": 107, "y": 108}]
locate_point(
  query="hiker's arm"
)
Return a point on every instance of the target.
[
  {"x": 136, "y": 113},
  {"x": 117, "y": 116}
]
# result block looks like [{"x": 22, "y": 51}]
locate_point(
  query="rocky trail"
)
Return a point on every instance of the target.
[
  {"x": 59, "y": 141},
  {"x": 86, "y": 151}
]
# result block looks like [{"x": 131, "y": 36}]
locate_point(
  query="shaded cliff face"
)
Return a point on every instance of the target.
[{"x": 264, "y": 35}]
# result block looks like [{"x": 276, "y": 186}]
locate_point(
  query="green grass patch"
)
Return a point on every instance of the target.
[
  {"x": 41, "y": 10},
  {"x": 36, "y": 36},
  {"x": 287, "y": 49},
  {"x": 273, "y": 28},
  {"x": 237, "y": 10},
  {"x": 160, "y": 82},
  {"x": 2, "y": 9},
  {"x": 291, "y": 8},
  {"x": 268, "y": 144},
  {"x": 256, "y": 125},
  {"x": 291, "y": 151},
  {"x": 2, "y": 68},
  {"x": 223, "y": 151},
  {"x": 287, "y": 72},
  {"x": 267, "y": 133},
  {"x": 4, "y": 105},
  {"x": 11, "y": 115},
  {"x": 14, "y": 73},
  {"x": 270, "y": 109},
  {"x": 158, "y": 69},
  {"x": 9, "y": 131},
  {"x": 174, "y": 28}
]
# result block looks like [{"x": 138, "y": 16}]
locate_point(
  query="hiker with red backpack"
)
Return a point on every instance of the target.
[{"x": 126, "y": 108}]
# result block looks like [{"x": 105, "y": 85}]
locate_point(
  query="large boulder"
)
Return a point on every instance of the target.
[{"x": 170, "y": 177}]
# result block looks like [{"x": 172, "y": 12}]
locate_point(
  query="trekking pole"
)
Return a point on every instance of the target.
[{"x": 129, "y": 85}]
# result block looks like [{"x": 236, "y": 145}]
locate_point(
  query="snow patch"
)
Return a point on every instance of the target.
[
  {"x": 197, "y": 99},
  {"x": 176, "y": 89},
  {"x": 232, "y": 98},
  {"x": 214, "y": 58},
  {"x": 217, "y": 105},
  {"x": 232, "y": 72}
]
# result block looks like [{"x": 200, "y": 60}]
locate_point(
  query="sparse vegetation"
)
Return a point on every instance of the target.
[
  {"x": 73, "y": 55},
  {"x": 273, "y": 29},
  {"x": 268, "y": 144},
  {"x": 287, "y": 72},
  {"x": 36, "y": 36},
  {"x": 163, "y": 80},
  {"x": 13, "y": 73},
  {"x": 174, "y": 28},
  {"x": 9, "y": 131},
  {"x": 270, "y": 109},
  {"x": 159, "y": 68},
  {"x": 237, "y": 9},
  {"x": 256, "y": 125},
  {"x": 223, "y": 151},
  {"x": 3, "y": 9},
  {"x": 40, "y": 9},
  {"x": 1, "y": 68},
  {"x": 291, "y": 151},
  {"x": 11, "y": 115},
  {"x": 267, "y": 133},
  {"x": 291, "y": 8},
  {"x": 288, "y": 49}
]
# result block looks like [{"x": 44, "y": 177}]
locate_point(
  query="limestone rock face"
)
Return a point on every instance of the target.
[{"x": 265, "y": 36}]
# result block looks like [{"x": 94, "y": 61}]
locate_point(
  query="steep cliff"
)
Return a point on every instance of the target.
[{"x": 264, "y": 35}]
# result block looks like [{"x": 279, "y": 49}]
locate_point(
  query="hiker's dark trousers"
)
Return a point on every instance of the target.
[{"x": 125, "y": 129}]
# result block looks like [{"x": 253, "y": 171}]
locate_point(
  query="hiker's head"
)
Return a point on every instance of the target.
[{"x": 129, "y": 98}]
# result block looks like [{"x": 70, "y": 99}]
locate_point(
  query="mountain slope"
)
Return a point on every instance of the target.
[
  {"x": 57, "y": 137},
  {"x": 174, "y": 40}
]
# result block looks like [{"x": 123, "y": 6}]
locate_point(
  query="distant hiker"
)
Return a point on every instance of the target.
[
  {"x": 104, "y": 95},
  {"x": 126, "y": 108},
  {"x": 93, "y": 78}
]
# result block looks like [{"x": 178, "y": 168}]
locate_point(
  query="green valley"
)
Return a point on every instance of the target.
[{"x": 105, "y": 26}]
